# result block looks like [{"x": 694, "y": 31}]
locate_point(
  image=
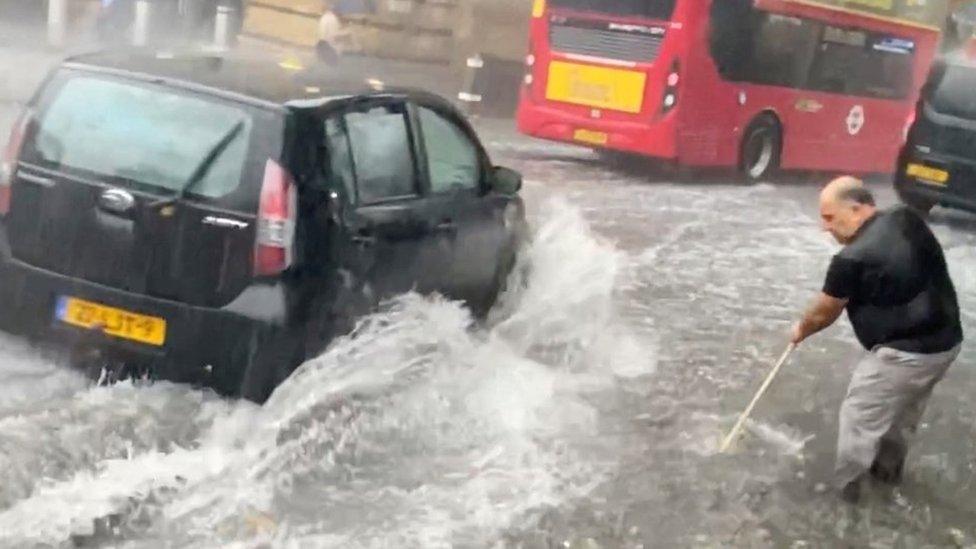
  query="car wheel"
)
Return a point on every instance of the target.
[
  {"x": 8, "y": 322},
  {"x": 482, "y": 309},
  {"x": 761, "y": 149},
  {"x": 500, "y": 280},
  {"x": 270, "y": 360}
]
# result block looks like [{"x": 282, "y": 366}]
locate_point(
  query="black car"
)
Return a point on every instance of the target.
[
  {"x": 217, "y": 221},
  {"x": 938, "y": 164}
]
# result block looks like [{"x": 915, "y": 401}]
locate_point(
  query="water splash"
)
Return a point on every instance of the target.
[{"x": 420, "y": 429}]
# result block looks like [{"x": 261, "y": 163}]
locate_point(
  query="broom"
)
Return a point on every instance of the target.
[{"x": 730, "y": 438}]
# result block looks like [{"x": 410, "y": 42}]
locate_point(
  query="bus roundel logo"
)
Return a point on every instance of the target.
[{"x": 856, "y": 120}]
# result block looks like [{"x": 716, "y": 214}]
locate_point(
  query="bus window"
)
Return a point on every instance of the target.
[
  {"x": 852, "y": 62},
  {"x": 649, "y": 9},
  {"x": 783, "y": 51},
  {"x": 762, "y": 48},
  {"x": 732, "y": 29}
]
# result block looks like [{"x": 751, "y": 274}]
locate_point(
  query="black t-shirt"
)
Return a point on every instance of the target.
[{"x": 896, "y": 280}]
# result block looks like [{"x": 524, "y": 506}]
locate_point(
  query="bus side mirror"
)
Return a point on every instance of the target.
[{"x": 506, "y": 181}]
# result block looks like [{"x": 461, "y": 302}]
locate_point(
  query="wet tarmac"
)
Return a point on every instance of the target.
[{"x": 586, "y": 414}]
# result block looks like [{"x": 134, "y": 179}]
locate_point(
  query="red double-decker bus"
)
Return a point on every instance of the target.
[{"x": 757, "y": 84}]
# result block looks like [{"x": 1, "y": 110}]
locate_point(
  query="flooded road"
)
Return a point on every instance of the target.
[{"x": 587, "y": 413}]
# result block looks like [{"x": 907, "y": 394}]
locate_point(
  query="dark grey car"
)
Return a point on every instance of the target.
[
  {"x": 218, "y": 221},
  {"x": 938, "y": 163}
]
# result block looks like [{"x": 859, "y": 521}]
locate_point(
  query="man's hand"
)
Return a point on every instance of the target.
[
  {"x": 824, "y": 311},
  {"x": 796, "y": 335}
]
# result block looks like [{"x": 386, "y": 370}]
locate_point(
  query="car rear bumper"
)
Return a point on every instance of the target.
[
  {"x": 958, "y": 192},
  {"x": 207, "y": 346}
]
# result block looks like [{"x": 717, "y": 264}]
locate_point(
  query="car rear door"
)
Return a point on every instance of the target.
[
  {"x": 142, "y": 187},
  {"x": 457, "y": 172},
  {"x": 391, "y": 240}
]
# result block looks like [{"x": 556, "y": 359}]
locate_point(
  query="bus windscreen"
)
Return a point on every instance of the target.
[{"x": 648, "y": 9}]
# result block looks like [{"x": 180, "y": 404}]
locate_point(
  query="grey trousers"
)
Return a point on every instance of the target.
[{"x": 884, "y": 404}]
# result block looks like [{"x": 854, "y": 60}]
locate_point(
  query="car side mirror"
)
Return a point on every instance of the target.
[{"x": 506, "y": 181}]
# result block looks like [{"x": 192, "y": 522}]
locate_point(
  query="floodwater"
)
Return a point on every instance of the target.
[{"x": 586, "y": 413}]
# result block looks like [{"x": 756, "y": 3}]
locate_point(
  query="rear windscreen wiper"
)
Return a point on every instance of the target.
[{"x": 203, "y": 168}]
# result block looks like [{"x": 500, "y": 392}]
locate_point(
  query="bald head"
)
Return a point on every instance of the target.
[
  {"x": 845, "y": 205},
  {"x": 847, "y": 189}
]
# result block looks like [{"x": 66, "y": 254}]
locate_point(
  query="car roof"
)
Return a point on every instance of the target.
[{"x": 279, "y": 82}]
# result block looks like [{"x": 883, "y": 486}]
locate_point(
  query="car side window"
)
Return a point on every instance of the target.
[
  {"x": 340, "y": 167},
  {"x": 382, "y": 153},
  {"x": 452, "y": 158}
]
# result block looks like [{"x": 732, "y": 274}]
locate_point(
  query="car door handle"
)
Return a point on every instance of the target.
[
  {"x": 364, "y": 239},
  {"x": 446, "y": 226}
]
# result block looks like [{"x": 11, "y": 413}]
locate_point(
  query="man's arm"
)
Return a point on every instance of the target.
[{"x": 823, "y": 312}]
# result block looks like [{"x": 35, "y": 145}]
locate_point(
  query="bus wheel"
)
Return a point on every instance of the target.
[{"x": 761, "y": 149}]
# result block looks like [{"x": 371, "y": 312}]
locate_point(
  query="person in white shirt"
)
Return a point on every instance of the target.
[{"x": 334, "y": 36}]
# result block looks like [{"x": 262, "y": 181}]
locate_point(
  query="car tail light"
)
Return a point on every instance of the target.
[
  {"x": 277, "y": 212},
  {"x": 670, "y": 100},
  {"x": 8, "y": 164},
  {"x": 909, "y": 122}
]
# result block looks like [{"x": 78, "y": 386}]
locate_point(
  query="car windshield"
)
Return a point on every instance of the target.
[
  {"x": 955, "y": 93},
  {"x": 145, "y": 134},
  {"x": 650, "y": 9}
]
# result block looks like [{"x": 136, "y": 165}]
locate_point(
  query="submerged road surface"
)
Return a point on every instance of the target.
[{"x": 586, "y": 414}]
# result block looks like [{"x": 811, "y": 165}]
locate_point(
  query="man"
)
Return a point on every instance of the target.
[
  {"x": 330, "y": 37},
  {"x": 334, "y": 34},
  {"x": 892, "y": 278}
]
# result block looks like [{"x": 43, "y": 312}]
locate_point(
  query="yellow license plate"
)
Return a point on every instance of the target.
[
  {"x": 600, "y": 87},
  {"x": 927, "y": 174},
  {"x": 111, "y": 321},
  {"x": 591, "y": 137}
]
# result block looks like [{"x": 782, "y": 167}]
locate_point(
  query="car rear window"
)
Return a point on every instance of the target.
[
  {"x": 955, "y": 92},
  {"x": 144, "y": 134}
]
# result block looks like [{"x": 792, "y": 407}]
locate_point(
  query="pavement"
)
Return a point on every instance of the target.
[
  {"x": 25, "y": 59},
  {"x": 440, "y": 79}
]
